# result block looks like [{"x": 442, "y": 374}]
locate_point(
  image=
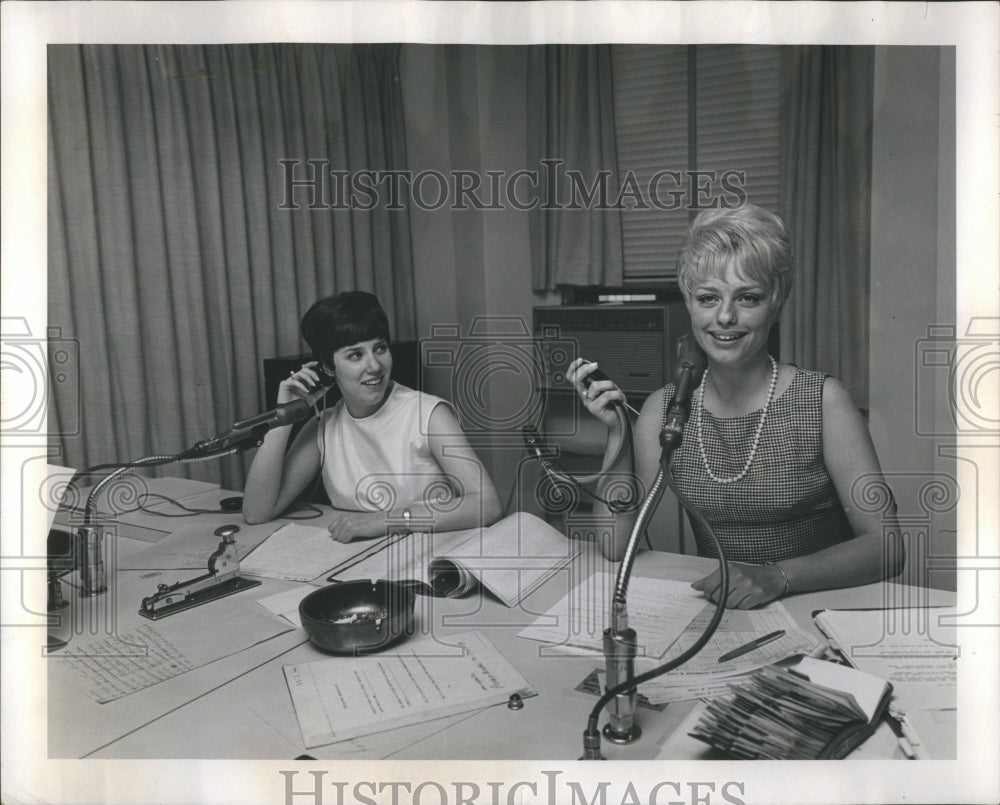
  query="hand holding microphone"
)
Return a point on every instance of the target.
[
  {"x": 298, "y": 396},
  {"x": 597, "y": 391},
  {"x": 304, "y": 384}
]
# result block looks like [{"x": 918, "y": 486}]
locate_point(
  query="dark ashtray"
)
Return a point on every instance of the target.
[{"x": 358, "y": 617}]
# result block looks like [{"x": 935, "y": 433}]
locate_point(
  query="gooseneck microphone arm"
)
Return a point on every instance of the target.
[
  {"x": 627, "y": 687},
  {"x": 246, "y": 432},
  {"x": 250, "y": 432},
  {"x": 620, "y": 645}
]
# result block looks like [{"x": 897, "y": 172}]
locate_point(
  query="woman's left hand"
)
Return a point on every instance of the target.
[
  {"x": 749, "y": 585},
  {"x": 348, "y": 526}
]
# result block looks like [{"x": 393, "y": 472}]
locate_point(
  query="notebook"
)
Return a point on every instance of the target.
[
  {"x": 511, "y": 559},
  {"x": 914, "y": 648}
]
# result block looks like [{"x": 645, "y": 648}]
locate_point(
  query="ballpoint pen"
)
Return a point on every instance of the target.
[{"x": 760, "y": 641}]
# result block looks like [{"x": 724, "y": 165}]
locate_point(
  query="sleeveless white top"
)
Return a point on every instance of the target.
[{"x": 380, "y": 461}]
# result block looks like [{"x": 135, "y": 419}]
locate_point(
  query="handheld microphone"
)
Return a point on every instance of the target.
[
  {"x": 599, "y": 374},
  {"x": 253, "y": 429},
  {"x": 688, "y": 376}
]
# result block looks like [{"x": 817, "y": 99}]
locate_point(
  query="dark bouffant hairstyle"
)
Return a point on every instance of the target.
[{"x": 341, "y": 320}]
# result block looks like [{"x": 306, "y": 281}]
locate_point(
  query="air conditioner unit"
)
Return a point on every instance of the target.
[{"x": 635, "y": 344}]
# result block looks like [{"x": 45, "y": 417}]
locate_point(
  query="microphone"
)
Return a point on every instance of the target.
[
  {"x": 254, "y": 428},
  {"x": 688, "y": 376},
  {"x": 599, "y": 374}
]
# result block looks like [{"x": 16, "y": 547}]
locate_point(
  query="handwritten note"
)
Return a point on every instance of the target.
[
  {"x": 737, "y": 628},
  {"x": 345, "y": 697},
  {"x": 112, "y": 666}
]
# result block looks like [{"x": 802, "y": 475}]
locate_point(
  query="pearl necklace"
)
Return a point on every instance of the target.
[{"x": 756, "y": 438}]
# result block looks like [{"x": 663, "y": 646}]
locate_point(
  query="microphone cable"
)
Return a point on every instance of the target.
[
  {"x": 533, "y": 443},
  {"x": 592, "y": 733}
]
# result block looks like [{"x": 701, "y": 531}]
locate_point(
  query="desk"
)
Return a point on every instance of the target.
[{"x": 239, "y": 707}]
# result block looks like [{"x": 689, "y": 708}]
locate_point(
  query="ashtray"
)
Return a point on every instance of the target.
[{"x": 359, "y": 617}]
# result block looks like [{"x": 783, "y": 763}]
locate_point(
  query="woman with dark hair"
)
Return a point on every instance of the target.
[
  {"x": 771, "y": 452},
  {"x": 382, "y": 450}
]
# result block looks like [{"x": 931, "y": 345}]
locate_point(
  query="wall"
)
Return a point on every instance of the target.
[
  {"x": 465, "y": 109},
  {"x": 913, "y": 288}
]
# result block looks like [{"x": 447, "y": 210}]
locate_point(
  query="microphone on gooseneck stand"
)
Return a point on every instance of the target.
[
  {"x": 688, "y": 376},
  {"x": 252, "y": 430}
]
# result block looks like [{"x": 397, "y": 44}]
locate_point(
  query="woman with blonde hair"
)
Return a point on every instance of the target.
[{"x": 771, "y": 452}]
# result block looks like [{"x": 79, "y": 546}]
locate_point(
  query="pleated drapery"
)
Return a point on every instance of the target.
[
  {"x": 826, "y": 204},
  {"x": 574, "y": 240},
  {"x": 179, "y": 254}
]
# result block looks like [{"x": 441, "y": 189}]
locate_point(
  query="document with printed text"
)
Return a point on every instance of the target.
[
  {"x": 914, "y": 648},
  {"x": 658, "y": 610},
  {"x": 345, "y": 697}
]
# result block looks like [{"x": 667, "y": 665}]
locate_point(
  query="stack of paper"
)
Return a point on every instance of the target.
[
  {"x": 794, "y": 713},
  {"x": 659, "y": 611},
  {"x": 346, "y": 697},
  {"x": 668, "y": 617}
]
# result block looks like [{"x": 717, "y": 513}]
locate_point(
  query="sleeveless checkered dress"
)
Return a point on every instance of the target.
[{"x": 786, "y": 504}]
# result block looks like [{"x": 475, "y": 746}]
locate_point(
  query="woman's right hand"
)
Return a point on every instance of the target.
[
  {"x": 600, "y": 397},
  {"x": 299, "y": 383}
]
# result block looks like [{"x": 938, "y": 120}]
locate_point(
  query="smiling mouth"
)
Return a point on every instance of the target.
[
  {"x": 372, "y": 383},
  {"x": 727, "y": 338}
]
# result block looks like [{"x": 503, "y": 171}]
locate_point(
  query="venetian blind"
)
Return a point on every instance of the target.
[{"x": 679, "y": 109}]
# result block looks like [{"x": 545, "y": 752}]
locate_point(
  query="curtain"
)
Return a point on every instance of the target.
[
  {"x": 572, "y": 129},
  {"x": 826, "y": 203},
  {"x": 177, "y": 258}
]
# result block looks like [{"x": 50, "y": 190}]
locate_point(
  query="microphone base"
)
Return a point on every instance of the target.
[
  {"x": 628, "y": 736},
  {"x": 592, "y": 745}
]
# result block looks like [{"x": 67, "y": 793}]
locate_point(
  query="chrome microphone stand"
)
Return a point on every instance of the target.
[{"x": 620, "y": 645}]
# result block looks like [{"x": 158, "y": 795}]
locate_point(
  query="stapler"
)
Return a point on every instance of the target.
[{"x": 223, "y": 578}]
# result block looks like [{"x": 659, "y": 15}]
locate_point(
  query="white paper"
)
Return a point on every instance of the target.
[
  {"x": 286, "y": 604},
  {"x": 737, "y": 628},
  {"x": 914, "y": 649},
  {"x": 114, "y": 666},
  {"x": 665, "y": 689},
  {"x": 190, "y": 546},
  {"x": 301, "y": 553},
  {"x": 866, "y": 689},
  {"x": 403, "y": 557},
  {"x": 345, "y": 697},
  {"x": 511, "y": 558},
  {"x": 658, "y": 610}
]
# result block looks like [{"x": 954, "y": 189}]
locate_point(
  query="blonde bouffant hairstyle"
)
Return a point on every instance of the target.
[{"x": 750, "y": 237}]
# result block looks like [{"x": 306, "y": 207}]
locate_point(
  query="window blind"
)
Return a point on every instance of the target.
[
  {"x": 737, "y": 95},
  {"x": 679, "y": 109}
]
